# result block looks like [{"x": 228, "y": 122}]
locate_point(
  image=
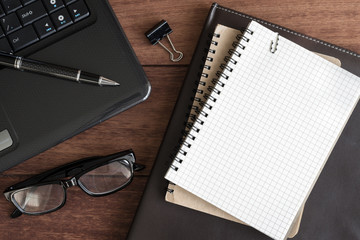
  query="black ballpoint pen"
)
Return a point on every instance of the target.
[{"x": 30, "y": 65}]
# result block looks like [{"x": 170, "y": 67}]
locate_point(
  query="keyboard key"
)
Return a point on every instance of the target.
[
  {"x": 53, "y": 5},
  {"x": 2, "y": 34},
  {"x": 23, "y": 38},
  {"x": 11, "y": 5},
  {"x": 10, "y": 23},
  {"x": 2, "y": 13},
  {"x": 44, "y": 27},
  {"x": 31, "y": 13},
  {"x": 26, "y": 2},
  {"x": 61, "y": 19},
  {"x": 5, "y": 46},
  {"x": 78, "y": 10},
  {"x": 67, "y": 2}
]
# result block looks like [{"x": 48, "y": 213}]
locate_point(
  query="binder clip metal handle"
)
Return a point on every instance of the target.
[{"x": 158, "y": 32}]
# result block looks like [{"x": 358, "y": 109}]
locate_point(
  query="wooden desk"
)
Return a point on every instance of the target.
[{"x": 143, "y": 126}]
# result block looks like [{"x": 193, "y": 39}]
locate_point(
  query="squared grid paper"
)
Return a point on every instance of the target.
[{"x": 269, "y": 134}]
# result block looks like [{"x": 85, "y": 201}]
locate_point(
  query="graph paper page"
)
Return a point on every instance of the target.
[{"x": 269, "y": 133}]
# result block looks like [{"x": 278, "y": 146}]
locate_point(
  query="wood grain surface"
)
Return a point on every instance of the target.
[{"x": 143, "y": 126}]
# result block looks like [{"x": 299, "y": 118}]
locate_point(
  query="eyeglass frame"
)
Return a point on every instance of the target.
[{"x": 72, "y": 171}]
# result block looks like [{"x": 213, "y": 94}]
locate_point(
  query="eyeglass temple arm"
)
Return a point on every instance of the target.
[
  {"x": 138, "y": 167},
  {"x": 16, "y": 213}
]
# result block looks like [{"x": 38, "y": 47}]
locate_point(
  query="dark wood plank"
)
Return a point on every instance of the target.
[{"x": 332, "y": 21}]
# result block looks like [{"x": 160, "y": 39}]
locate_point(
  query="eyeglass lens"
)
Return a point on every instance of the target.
[
  {"x": 107, "y": 178},
  {"x": 40, "y": 199},
  {"x": 102, "y": 180}
]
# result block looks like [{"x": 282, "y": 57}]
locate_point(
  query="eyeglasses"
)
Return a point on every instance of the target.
[{"x": 96, "y": 176}]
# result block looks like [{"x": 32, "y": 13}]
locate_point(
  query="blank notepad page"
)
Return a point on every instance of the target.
[{"x": 269, "y": 133}]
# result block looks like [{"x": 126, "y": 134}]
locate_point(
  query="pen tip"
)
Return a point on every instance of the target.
[{"x": 103, "y": 81}]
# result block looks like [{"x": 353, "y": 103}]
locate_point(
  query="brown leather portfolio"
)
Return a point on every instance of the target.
[{"x": 330, "y": 212}]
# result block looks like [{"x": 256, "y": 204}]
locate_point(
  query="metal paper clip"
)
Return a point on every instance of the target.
[
  {"x": 273, "y": 45},
  {"x": 158, "y": 32}
]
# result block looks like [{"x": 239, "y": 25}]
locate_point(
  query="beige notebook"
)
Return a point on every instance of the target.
[
  {"x": 222, "y": 41},
  {"x": 181, "y": 197}
]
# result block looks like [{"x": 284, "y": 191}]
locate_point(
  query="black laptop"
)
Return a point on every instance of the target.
[{"x": 37, "y": 111}]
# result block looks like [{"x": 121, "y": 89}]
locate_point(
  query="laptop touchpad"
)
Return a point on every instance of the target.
[
  {"x": 5, "y": 140},
  {"x": 8, "y": 137}
]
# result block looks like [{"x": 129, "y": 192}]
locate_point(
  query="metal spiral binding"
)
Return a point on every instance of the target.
[
  {"x": 233, "y": 52},
  {"x": 199, "y": 91},
  {"x": 194, "y": 118},
  {"x": 226, "y": 67},
  {"x": 170, "y": 190},
  {"x": 219, "y": 83},
  {"x": 210, "y": 59},
  {"x": 222, "y": 74},
  {"x": 205, "y": 75},
  {"x": 190, "y": 125},
  {"x": 205, "y": 104},
  {"x": 214, "y": 89},
  {"x": 229, "y": 59}
]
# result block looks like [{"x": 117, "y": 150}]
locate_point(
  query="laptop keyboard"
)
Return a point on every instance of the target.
[{"x": 25, "y": 22}]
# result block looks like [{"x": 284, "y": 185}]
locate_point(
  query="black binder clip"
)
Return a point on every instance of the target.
[{"x": 158, "y": 32}]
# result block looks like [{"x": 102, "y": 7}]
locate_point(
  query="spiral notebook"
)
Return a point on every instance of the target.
[
  {"x": 266, "y": 131},
  {"x": 221, "y": 42}
]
